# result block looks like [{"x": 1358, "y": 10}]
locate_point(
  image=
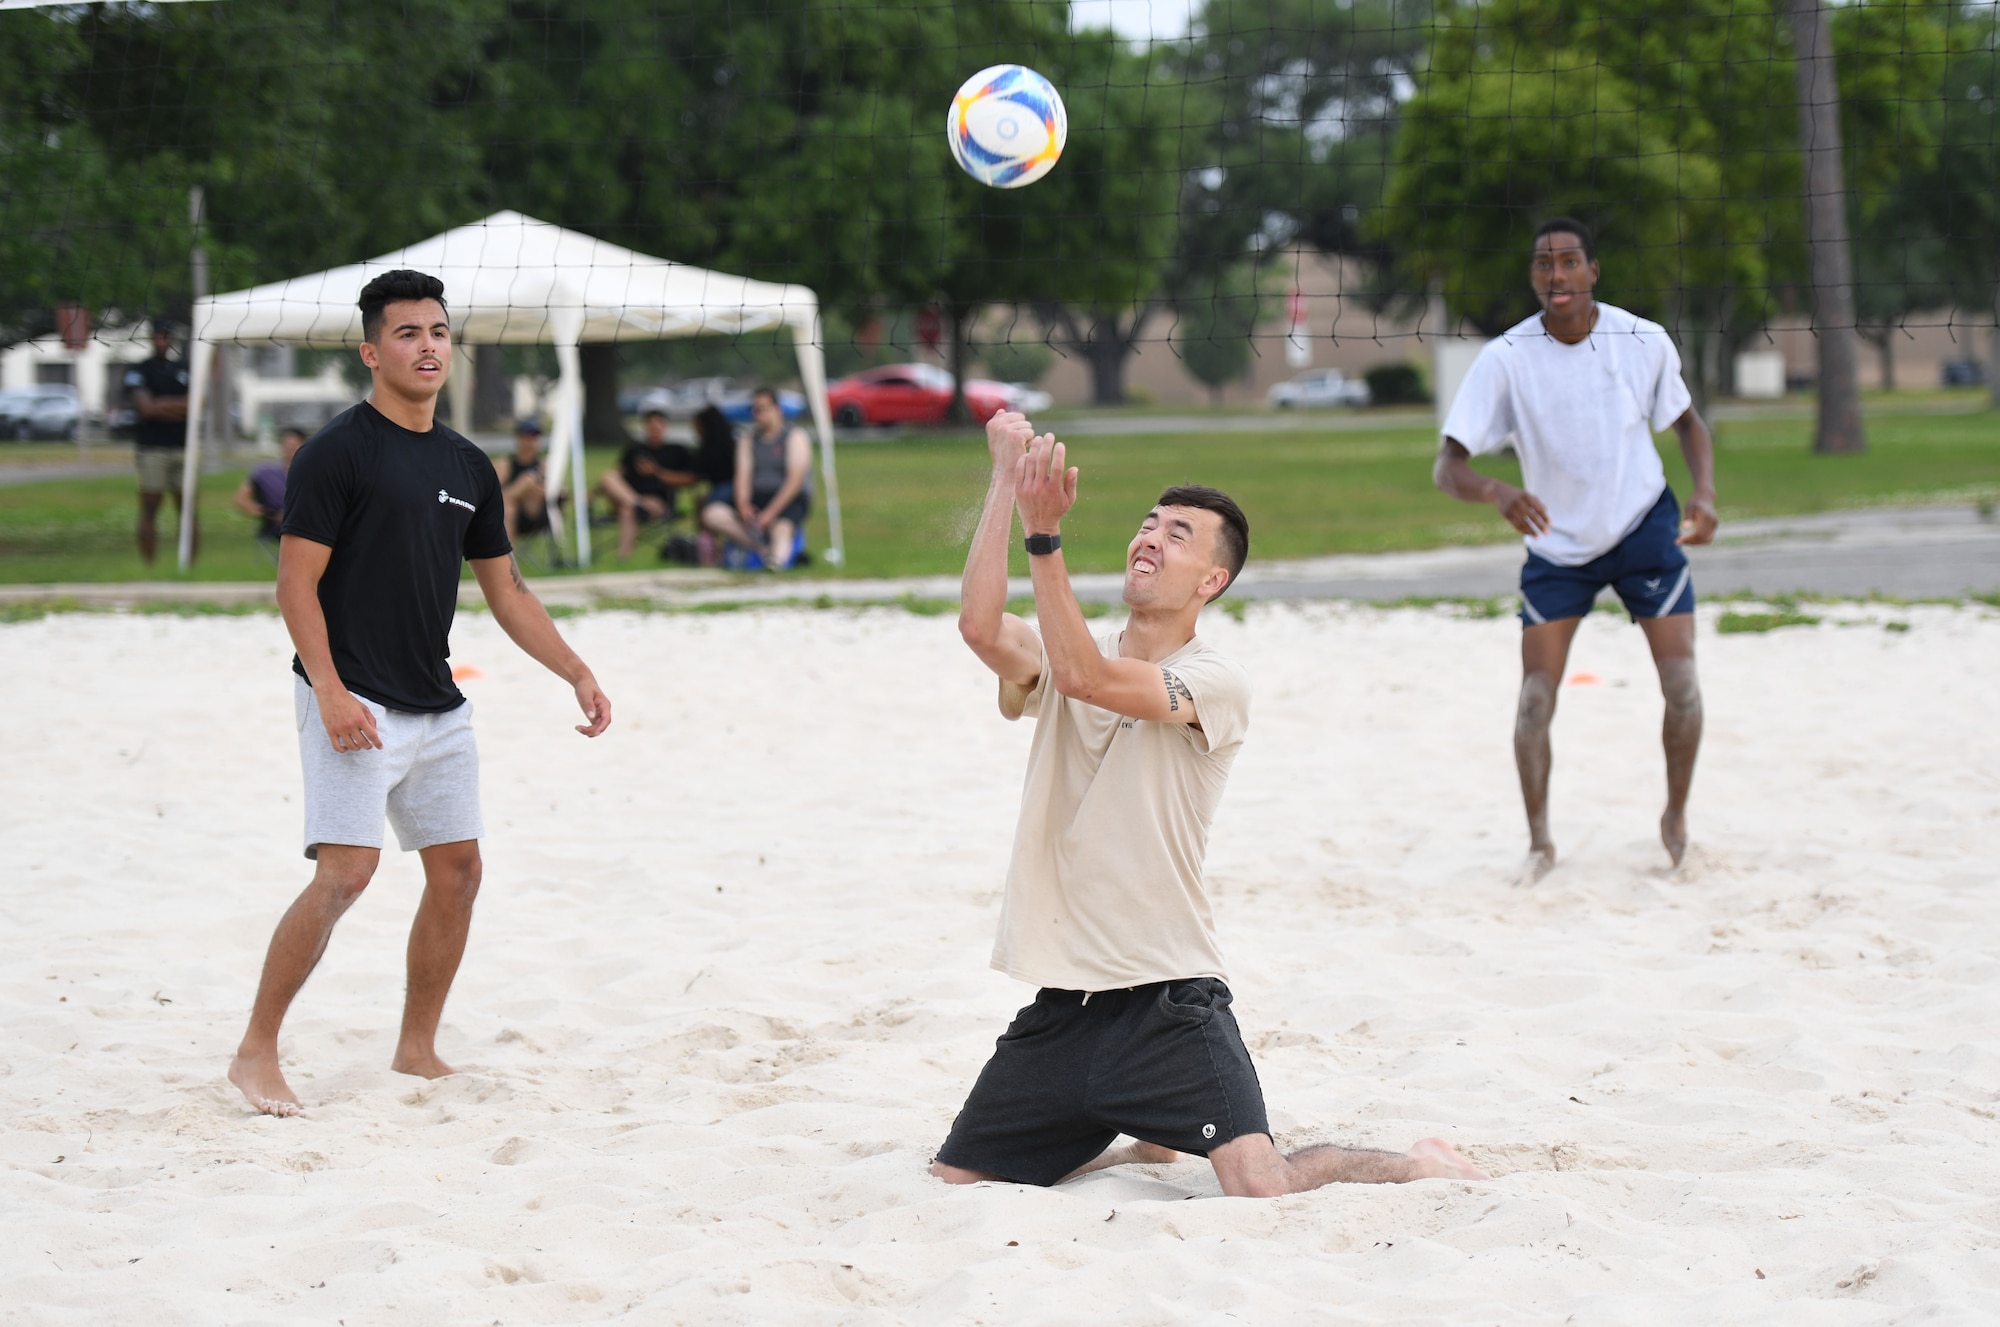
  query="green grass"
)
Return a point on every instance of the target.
[
  {"x": 1733, "y": 622},
  {"x": 910, "y": 504}
]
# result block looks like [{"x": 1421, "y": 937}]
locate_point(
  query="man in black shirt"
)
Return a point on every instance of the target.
[
  {"x": 381, "y": 509},
  {"x": 647, "y": 483},
  {"x": 158, "y": 390}
]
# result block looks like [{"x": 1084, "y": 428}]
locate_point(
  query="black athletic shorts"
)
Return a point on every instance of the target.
[{"x": 1164, "y": 1063}]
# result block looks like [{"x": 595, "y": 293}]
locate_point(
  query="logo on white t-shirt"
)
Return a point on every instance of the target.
[{"x": 444, "y": 497}]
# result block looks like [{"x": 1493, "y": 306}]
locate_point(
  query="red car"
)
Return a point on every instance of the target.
[{"x": 909, "y": 394}]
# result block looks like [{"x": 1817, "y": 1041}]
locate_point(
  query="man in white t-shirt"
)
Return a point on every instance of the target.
[
  {"x": 1578, "y": 390},
  {"x": 1106, "y": 908}
]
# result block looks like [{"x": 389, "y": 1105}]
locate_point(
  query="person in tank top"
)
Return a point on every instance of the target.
[{"x": 767, "y": 502}]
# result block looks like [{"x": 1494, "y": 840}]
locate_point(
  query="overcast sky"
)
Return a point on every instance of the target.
[{"x": 1133, "y": 18}]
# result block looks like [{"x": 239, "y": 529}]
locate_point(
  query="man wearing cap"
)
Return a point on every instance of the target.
[
  {"x": 647, "y": 483},
  {"x": 523, "y": 490}
]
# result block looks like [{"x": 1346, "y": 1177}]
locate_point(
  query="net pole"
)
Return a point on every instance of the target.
[
  {"x": 812, "y": 375},
  {"x": 199, "y": 353},
  {"x": 569, "y": 435}
]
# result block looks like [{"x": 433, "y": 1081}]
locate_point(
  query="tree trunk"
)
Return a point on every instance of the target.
[
  {"x": 958, "y": 316},
  {"x": 1838, "y": 428},
  {"x": 1993, "y": 349},
  {"x": 1885, "y": 357},
  {"x": 492, "y": 390},
  {"x": 1106, "y": 351},
  {"x": 1104, "y": 347},
  {"x": 601, "y": 421}
]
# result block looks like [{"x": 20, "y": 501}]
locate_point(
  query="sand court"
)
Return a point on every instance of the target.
[{"x": 727, "y": 988}]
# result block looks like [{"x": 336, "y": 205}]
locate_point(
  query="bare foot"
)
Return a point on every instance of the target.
[
  {"x": 1438, "y": 1160},
  {"x": 1134, "y": 1153},
  {"x": 423, "y": 1064},
  {"x": 262, "y": 1084},
  {"x": 1538, "y": 863},
  {"x": 1674, "y": 833}
]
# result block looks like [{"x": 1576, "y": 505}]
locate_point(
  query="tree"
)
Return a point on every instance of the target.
[
  {"x": 1215, "y": 330},
  {"x": 1652, "y": 126},
  {"x": 1957, "y": 193},
  {"x": 1293, "y": 106},
  {"x": 1838, "y": 426}
]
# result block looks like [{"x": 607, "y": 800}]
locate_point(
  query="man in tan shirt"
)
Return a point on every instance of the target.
[{"x": 1106, "y": 909}]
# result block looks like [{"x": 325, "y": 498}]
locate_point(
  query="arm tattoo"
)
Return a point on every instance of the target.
[
  {"x": 1177, "y": 691},
  {"x": 514, "y": 570}
]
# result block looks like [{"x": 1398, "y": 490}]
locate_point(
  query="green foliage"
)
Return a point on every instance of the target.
[
  {"x": 1017, "y": 360},
  {"x": 1295, "y": 106},
  {"x": 1396, "y": 384},
  {"x": 1650, "y": 125},
  {"x": 1215, "y": 328},
  {"x": 1733, "y": 622}
]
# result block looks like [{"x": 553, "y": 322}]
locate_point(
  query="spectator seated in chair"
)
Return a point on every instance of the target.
[
  {"x": 764, "y": 506},
  {"x": 524, "y": 494},
  {"x": 262, "y": 494},
  {"x": 647, "y": 483}
]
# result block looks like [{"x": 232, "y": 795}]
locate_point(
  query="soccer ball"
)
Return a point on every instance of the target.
[{"x": 1007, "y": 126}]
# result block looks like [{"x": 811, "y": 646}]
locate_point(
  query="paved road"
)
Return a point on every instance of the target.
[
  {"x": 1904, "y": 552},
  {"x": 33, "y": 473}
]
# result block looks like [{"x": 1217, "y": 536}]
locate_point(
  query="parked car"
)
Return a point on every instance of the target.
[
  {"x": 684, "y": 400},
  {"x": 1021, "y": 396},
  {"x": 736, "y": 404},
  {"x": 48, "y": 411},
  {"x": 1961, "y": 373},
  {"x": 1318, "y": 387},
  {"x": 14, "y": 406},
  {"x": 912, "y": 394}
]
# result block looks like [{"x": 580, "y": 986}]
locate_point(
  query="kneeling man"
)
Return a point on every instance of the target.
[{"x": 1106, "y": 909}]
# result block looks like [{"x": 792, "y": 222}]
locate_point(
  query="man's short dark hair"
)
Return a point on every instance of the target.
[
  {"x": 1568, "y": 226},
  {"x": 1232, "y": 540},
  {"x": 293, "y": 431},
  {"x": 771, "y": 392},
  {"x": 655, "y": 410},
  {"x": 384, "y": 290}
]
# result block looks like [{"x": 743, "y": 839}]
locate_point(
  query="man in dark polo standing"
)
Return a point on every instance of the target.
[
  {"x": 382, "y": 508},
  {"x": 158, "y": 390}
]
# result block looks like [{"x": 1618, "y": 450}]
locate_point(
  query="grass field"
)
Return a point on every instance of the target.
[{"x": 910, "y": 504}]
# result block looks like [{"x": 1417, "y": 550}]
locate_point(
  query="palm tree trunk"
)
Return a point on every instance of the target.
[{"x": 1838, "y": 428}]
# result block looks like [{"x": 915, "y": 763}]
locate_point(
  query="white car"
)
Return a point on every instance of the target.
[
  {"x": 1318, "y": 387},
  {"x": 1027, "y": 399},
  {"x": 47, "y": 411}
]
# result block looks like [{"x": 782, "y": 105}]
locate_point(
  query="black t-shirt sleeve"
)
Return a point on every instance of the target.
[
  {"x": 319, "y": 490},
  {"x": 486, "y": 535}
]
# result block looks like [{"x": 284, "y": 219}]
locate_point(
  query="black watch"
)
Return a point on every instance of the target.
[{"x": 1043, "y": 543}]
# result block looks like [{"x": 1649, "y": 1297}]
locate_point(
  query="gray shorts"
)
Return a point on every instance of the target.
[
  {"x": 424, "y": 778},
  {"x": 159, "y": 469}
]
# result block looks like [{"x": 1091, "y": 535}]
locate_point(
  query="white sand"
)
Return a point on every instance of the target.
[{"x": 727, "y": 988}]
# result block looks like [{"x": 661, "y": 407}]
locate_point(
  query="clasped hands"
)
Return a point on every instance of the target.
[{"x": 1044, "y": 484}]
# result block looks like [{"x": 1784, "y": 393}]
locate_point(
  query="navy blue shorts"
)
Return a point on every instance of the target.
[
  {"x": 1164, "y": 1063},
  {"x": 1647, "y": 568}
]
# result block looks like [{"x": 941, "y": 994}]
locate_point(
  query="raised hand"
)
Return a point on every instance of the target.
[
  {"x": 1044, "y": 486},
  {"x": 1007, "y": 434}
]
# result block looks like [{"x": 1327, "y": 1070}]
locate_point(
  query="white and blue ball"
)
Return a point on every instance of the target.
[{"x": 1007, "y": 126}]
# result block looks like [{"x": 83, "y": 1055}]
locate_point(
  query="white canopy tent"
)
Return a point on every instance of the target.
[{"x": 513, "y": 280}]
